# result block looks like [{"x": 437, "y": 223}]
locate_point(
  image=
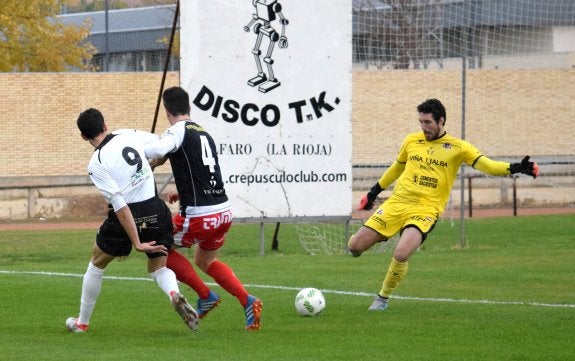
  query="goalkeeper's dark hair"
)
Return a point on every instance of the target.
[
  {"x": 434, "y": 107},
  {"x": 176, "y": 101},
  {"x": 91, "y": 123}
]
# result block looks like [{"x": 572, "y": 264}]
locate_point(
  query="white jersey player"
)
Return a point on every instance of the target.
[
  {"x": 137, "y": 216},
  {"x": 127, "y": 178}
]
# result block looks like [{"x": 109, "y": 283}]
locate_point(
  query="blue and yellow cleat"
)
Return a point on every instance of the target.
[
  {"x": 253, "y": 309},
  {"x": 205, "y": 305}
]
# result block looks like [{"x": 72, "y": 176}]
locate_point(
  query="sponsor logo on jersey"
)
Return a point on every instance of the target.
[
  {"x": 430, "y": 161},
  {"x": 139, "y": 177},
  {"x": 428, "y": 181},
  {"x": 195, "y": 127},
  {"x": 216, "y": 220}
]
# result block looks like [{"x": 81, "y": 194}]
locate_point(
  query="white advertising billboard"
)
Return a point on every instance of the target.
[{"x": 271, "y": 82}]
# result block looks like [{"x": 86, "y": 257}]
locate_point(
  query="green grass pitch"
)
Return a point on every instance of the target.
[{"x": 508, "y": 295}]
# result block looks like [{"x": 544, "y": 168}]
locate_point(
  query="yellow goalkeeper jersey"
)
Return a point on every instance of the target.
[{"x": 430, "y": 169}]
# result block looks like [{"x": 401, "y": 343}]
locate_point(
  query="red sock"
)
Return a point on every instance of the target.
[
  {"x": 185, "y": 273},
  {"x": 225, "y": 277}
]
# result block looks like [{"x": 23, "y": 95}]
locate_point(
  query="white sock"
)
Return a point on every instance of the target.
[
  {"x": 166, "y": 279},
  {"x": 91, "y": 287}
]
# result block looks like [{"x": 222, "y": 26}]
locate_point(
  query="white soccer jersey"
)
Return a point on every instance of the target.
[{"x": 120, "y": 170}]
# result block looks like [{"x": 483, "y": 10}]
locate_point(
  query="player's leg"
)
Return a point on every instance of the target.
[
  {"x": 224, "y": 276},
  {"x": 227, "y": 279},
  {"x": 184, "y": 229},
  {"x": 379, "y": 227},
  {"x": 362, "y": 240},
  {"x": 164, "y": 277},
  {"x": 187, "y": 231},
  {"x": 206, "y": 259},
  {"x": 209, "y": 241},
  {"x": 186, "y": 273},
  {"x": 417, "y": 227},
  {"x": 159, "y": 229},
  {"x": 407, "y": 244},
  {"x": 409, "y": 241},
  {"x": 166, "y": 280},
  {"x": 91, "y": 287}
]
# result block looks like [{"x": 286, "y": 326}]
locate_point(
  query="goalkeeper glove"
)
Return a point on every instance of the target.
[
  {"x": 367, "y": 200},
  {"x": 525, "y": 167}
]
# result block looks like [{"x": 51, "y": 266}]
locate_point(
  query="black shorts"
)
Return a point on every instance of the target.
[{"x": 153, "y": 221}]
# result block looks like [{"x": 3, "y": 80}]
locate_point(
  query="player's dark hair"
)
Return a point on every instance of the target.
[
  {"x": 176, "y": 101},
  {"x": 434, "y": 107},
  {"x": 91, "y": 123}
]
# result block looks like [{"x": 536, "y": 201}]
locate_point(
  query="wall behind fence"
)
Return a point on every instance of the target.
[
  {"x": 509, "y": 113},
  {"x": 39, "y": 113}
]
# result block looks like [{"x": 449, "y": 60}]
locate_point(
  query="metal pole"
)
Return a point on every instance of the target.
[
  {"x": 262, "y": 239},
  {"x": 166, "y": 65},
  {"x": 107, "y": 38},
  {"x": 165, "y": 184},
  {"x": 463, "y": 85},
  {"x": 462, "y": 181},
  {"x": 275, "y": 240},
  {"x": 514, "y": 196},
  {"x": 469, "y": 197}
]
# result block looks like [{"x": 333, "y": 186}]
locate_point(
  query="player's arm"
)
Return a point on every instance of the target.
[
  {"x": 111, "y": 193},
  {"x": 160, "y": 148},
  {"x": 497, "y": 168},
  {"x": 169, "y": 142},
  {"x": 127, "y": 221},
  {"x": 156, "y": 162},
  {"x": 388, "y": 177}
]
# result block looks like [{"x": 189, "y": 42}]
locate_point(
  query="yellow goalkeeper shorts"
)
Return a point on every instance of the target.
[{"x": 392, "y": 217}]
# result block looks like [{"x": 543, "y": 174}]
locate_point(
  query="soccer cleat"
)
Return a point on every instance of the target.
[
  {"x": 207, "y": 304},
  {"x": 73, "y": 326},
  {"x": 186, "y": 312},
  {"x": 253, "y": 309},
  {"x": 379, "y": 304}
]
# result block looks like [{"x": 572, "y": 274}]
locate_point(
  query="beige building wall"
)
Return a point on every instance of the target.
[
  {"x": 39, "y": 112},
  {"x": 509, "y": 113}
]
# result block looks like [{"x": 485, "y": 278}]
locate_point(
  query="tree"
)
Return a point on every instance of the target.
[{"x": 32, "y": 38}]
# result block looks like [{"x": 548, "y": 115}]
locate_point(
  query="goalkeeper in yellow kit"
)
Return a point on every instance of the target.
[{"x": 425, "y": 170}]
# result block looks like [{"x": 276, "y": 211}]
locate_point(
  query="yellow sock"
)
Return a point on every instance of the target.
[{"x": 395, "y": 274}]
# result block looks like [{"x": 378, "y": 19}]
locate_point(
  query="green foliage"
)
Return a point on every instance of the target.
[
  {"x": 33, "y": 39},
  {"x": 507, "y": 295}
]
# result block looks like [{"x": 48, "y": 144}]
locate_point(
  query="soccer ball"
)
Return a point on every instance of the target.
[{"x": 309, "y": 302}]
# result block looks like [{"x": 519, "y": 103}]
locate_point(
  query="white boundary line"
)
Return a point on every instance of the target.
[{"x": 286, "y": 288}]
